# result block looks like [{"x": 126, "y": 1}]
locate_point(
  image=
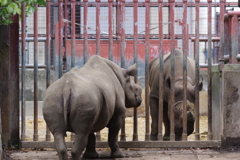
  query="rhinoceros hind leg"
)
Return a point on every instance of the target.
[
  {"x": 90, "y": 149},
  {"x": 60, "y": 146},
  {"x": 79, "y": 145}
]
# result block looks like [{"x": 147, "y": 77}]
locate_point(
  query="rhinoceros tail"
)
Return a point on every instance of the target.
[{"x": 66, "y": 98}]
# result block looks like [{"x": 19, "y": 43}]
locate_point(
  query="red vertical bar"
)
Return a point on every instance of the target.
[
  {"x": 147, "y": 32},
  {"x": 209, "y": 69},
  {"x": 48, "y": 47},
  {"x": 23, "y": 98},
  {"x": 110, "y": 31},
  {"x": 161, "y": 80},
  {"x": 222, "y": 12},
  {"x": 234, "y": 39},
  {"x": 185, "y": 51},
  {"x": 172, "y": 92},
  {"x": 135, "y": 47},
  {"x": 97, "y": 27},
  {"x": 197, "y": 135},
  {"x": 73, "y": 30},
  {"x": 60, "y": 19},
  {"x": 35, "y": 135},
  {"x": 122, "y": 51},
  {"x": 123, "y": 42},
  {"x": 85, "y": 45}
]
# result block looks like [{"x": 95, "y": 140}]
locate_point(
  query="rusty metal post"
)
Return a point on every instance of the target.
[
  {"x": 122, "y": 52},
  {"x": 73, "y": 30},
  {"x": 135, "y": 48},
  {"x": 147, "y": 36},
  {"x": 35, "y": 135},
  {"x": 60, "y": 32},
  {"x": 234, "y": 39},
  {"x": 48, "y": 47},
  {"x": 85, "y": 30},
  {"x": 23, "y": 85},
  {"x": 110, "y": 29},
  {"x": 73, "y": 41},
  {"x": 185, "y": 52},
  {"x": 197, "y": 135},
  {"x": 221, "y": 44},
  {"x": 97, "y": 27},
  {"x": 209, "y": 69},
  {"x": 161, "y": 69},
  {"x": 98, "y": 134},
  {"x": 172, "y": 92}
]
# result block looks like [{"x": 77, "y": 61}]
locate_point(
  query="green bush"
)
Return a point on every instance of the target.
[{"x": 10, "y": 7}]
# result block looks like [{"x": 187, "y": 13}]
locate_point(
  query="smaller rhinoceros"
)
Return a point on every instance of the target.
[
  {"x": 154, "y": 69},
  {"x": 85, "y": 101}
]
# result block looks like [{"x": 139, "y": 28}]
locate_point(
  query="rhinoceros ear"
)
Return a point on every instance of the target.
[{"x": 131, "y": 71}]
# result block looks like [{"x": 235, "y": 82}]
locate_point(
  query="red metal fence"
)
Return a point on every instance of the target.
[{"x": 130, "y": 31}]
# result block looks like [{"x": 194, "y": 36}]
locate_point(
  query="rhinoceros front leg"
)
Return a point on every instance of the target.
[
  {"x": 166, "y": 122},
  {"x": 113, "y": 138},
  {"x": 154, "y": 114},
  {"x": 90, "y": 149}
]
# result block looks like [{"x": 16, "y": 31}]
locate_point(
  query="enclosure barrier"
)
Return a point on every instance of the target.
[{"x": 70, "y": 41}]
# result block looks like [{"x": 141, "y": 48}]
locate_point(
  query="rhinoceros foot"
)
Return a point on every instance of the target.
[
  {"x": 117, "y": 154},
  {"x": 90, "y": 155},
  {"x": 154, "y": 137},
  {"x": 166, "y": 138}
]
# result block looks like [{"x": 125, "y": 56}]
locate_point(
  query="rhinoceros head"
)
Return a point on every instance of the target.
[
  {"x": 131, "y": 89},
  {"x": 178, "y": 119}
]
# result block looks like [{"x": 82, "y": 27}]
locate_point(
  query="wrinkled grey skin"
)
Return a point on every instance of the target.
[
  {"x": 85, "y": 101},
  {"x": 178, "y": 107}
]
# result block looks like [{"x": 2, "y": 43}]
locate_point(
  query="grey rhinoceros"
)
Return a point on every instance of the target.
[
  {"x": 154, "y": 69},
  {"x": 85, "y": 101}
]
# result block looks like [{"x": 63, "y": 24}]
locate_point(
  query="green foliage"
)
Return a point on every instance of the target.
[{"x": 11, "y": 7}]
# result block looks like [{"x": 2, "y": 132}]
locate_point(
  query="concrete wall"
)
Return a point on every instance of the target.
[{"x": 231, "y": 104}]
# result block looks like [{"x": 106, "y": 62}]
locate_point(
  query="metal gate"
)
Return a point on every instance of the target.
[{"x": 125, "y": 32}]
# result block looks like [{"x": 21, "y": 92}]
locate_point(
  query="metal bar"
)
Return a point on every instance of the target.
[
  {"x": 73, "y": 42},
  {"x": 155, "y": 4},
  {"x": 73, "y": 30},
  {"x": 23, "y": 85},
  {"x": 136, "y": 144},
  {"x": 161, "y": 75},
  {"x": 147, "y": 32},
  {"x": 222, "y": 11},
  {"x": 122, "y": 52},
  {"x": 197, "y": 135},
  {"x": 234, "y": 39},
  {"x": 110, "y": 29},
  {"x": 35, "y": 135},
  {"x": 98, "y": 27},
  {"x": 48, "y": 47},
  {"x": 60, "y": 19},
  {"x": 172, "y": 92},
  {"x": 209, "y": 70},
  {"x": 66, "y": 56},
  {"x": 185, "y": 53},
  {"x": 135, "y": 47},
  {"x": 85, "y": 30}
]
